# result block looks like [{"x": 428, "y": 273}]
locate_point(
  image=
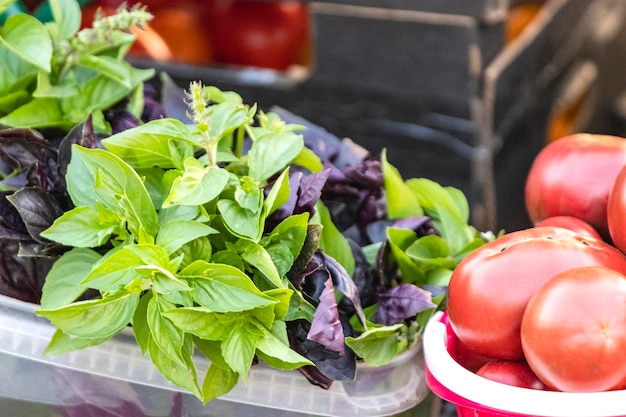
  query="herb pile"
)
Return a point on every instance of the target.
[{"x": 234, "y": 233}]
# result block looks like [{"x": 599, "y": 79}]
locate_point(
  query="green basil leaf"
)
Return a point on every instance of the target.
[
  {"x": 239, "y": 347},
  {"x": 140, "y": 327},
  {"x": 309, "y": 160},
  {"x": 62, "y": 285},
  {"x": 65, "y": 88},
  {"x": 278, "y": 194},
  {"x": 271, "y": 153},
  {"x": 159, "y": 143},
  {"x": 332, "y": 241},
  {"x": 399, "y": 240},
  {"x": 272, "y": 349},
  {"x": 37, "y": 113},
  {"x": 379, "y": 345},
  {"x": 431, "y": 250},
  {"x": 223, "y": 288},
  {"x": 109, "y": 67},
  {"x": 85, "y": 227},
  {"x": 122, "y": 267},
  {"x": 202, "y": 322},
  {"x": 218, "y": 381},
  {"x": 225, "y": 118},
  {"x": 28, "y": 38},
  {"x": 401, "y": 202},
  {"x": 62, "y": 343},
  {"x": 239, "y": 221},
  {"x": 248, "y": 195},
  {"x": 165, "y": 334},
  {"x": 285, "y": 242},
  {"x": 256, "y": 256},
  {"x": 198, "y": 184},
  {"x": 173, "y": 235},
  {"x": 97, "y": 175},
  {"x": 98, "y": 318},
  {"x": 67, "y": 16},
  {"x": 183, "y": 375}
]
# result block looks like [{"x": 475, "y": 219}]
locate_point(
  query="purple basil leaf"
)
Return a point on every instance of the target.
[
  {"x": 349, "y": 154},
  {"x": 23, "y": 149},
  {"x": 400, "y": 303},
  {"x": 344, "y": 284},
  {"x": 421, "y": 225},
  {"x": 373, "y": 208},
  {"x": 22, "y": 277},
  {"x": 9, "y": 216},
  {"x": 121, "y": 120},
  {"x": 153, "y": 109},
  {"x": 368, "y": 174},
  {"x": 326, "y": 328},
  {"x": 363, "y": 279},
  {"x": 37, "y": 208},
  {"x": 310, "y": 191}
]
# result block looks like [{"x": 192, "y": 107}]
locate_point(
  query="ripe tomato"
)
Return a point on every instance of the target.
[
  {"x": 616, "y": 212},
  {"x": 256, "y": 33},
  {"x": 571, "y": 223},
  {"x": 490, "y": 288},
  {"x": 573, "y": 176},
  {"x": 574, "y": 330},
  {"x": 466, "y": 357},
  {"x": 515, "y": 373}
]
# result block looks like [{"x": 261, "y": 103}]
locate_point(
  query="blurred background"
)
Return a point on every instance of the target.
[{"x": 462, "y": 92}]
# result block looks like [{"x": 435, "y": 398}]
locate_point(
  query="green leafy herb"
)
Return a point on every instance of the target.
[
  {"x": 55, "y": 75},
  {"x": 177, "y": 245}
]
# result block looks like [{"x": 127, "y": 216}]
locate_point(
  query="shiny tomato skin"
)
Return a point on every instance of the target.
[
  {"x": 574, "y": 331},
  {"x": 573, "y": 176},
  {"x": 490, "y": 288},
  {"x": 616, "y": 212},
  {"x": 515, "y": 373},
  {"x": 571, "y": 223},
  {"x": 259, "y": 33}
]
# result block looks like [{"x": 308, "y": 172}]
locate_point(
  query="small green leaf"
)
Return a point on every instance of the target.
[
  {"x": 272, "y": 349},
  {"x": 183, "y": 375},
  {"x": 379, "y": 344},
  {"x": 61, "y": 343},
  {"x": 278, "y": 194},
  {"x": 225, "y": 118},
  {"x": 241, "y": 222},
  {"x": 256, "y": 256},
  {"x": 95, "y": 176},
  {"x": 198, "y": 185},
  {"x": 218, "y": 381},
  {"x": 173, "y": 235},
  {"x": 92, "y": 319},
  {"x": 67, "y": 16},
  {"x": 85, "y": 227},
  {"x": 239, "y": 348},
  {"x": 162, "y": 143},
  {"x": 62, "y": 285},
  {"x": 28, "y": 38},
  {"x": 168, "y": 337},
  {"x": 332, "y": 241},
  {"x": 270, "y": 154},
  {"x": 401, "y": 202},
  {"x": 431, "y": 250},
  {"x": 37, "y": 113}
]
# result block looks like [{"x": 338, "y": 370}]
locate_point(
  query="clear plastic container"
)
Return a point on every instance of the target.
[
  {"x": 479, "y": 397},
  {"x": 114, "y": 379}
]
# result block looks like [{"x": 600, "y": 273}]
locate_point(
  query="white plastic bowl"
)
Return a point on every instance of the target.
[{"x": 477, "y": 396}]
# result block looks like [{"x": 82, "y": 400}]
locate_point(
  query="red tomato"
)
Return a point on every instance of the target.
[
  {"x": 515, "y": 373},
  {"x": 260, "y": 33},
  {"x": 490, "y": 288},
  {"x": 459, "y": 351},
  {"x": 574, "y": 331},
  {"x": 616, "y": 212},
  {"x": 571, "y": 223},
  {"x": 573, "y": 176}
]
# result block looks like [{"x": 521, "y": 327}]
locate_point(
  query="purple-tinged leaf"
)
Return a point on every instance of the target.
[
  {"x": 421, "y": 225},
  {"x": 344, "y": 284},
  {"x": 37, "y": 208},
  {"x": 326, "y": 328},
  {"x": 310, "y": 191},
  {"x": 400, "y": 303}
]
